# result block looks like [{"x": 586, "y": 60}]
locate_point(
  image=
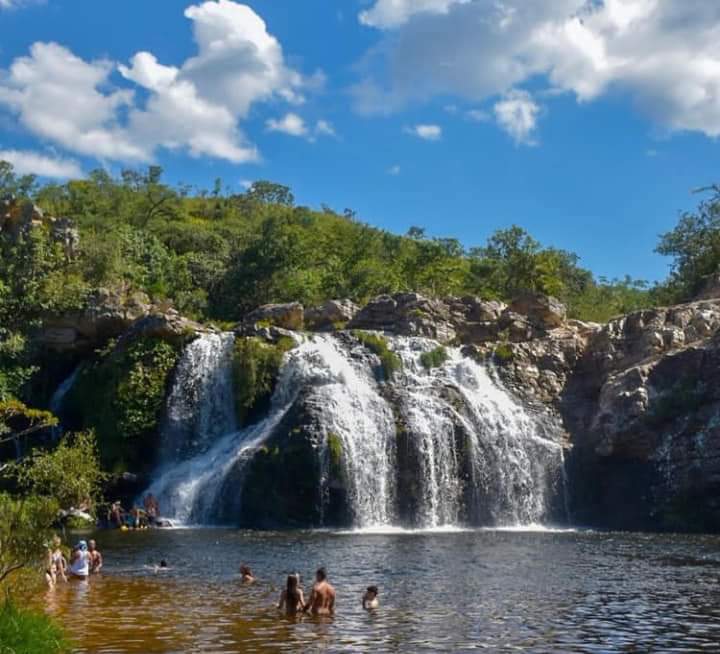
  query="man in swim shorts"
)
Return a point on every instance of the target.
[
  {"x": 322, "y": 598},
  {"x": 96, "y": 559}
]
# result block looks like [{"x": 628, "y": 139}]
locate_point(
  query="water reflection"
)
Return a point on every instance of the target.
[{"x": 499, "y": 591}]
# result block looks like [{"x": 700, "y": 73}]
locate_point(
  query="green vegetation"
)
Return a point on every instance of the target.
[
  {"x": 70, "y": 474},
  {"x": 335, "y": 449},
  {"x": 29, "y": 632},
  {"x": 256, "y": 365},
  {"x": 503, "y": 353},
  {"x": 378, "y": 344},
  {"x": 120, "y": 396},
  {"x": 694, "y": 245},
  {"x": 434, "y": 358}
]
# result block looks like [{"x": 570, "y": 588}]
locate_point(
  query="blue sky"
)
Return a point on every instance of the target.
[{"x": 589, "y": 124}]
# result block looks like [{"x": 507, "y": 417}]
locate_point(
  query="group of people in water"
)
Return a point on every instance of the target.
[
  {"x": 85, "y": 560},
  {"x": 137, "y": 517},
  {"x": 322, "y": 597}
]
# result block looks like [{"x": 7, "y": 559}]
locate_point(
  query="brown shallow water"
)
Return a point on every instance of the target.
[{"x": 497, "y": 591}]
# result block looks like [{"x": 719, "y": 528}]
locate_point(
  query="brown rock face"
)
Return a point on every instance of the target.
[
  {"x": 19, "y": 217},
  {"x": 544, "y": 311},
  {"x": 331, "y": 315},
  {"x": 287, "y": 316}
]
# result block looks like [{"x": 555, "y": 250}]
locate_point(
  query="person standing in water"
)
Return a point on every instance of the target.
[
  {"x": 246, "y": 575},
  {"x": 80, "y": 561},
  {"x": 370, "y": 598},
  {"x": 55, "y": 563},
  {"x": 96, "y": 559},
  {"x": 291, "y": 599},
  {"x": 322, "y": 598}
]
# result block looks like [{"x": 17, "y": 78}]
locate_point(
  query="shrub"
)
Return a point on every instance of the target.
[
  {"x": 434, "y": 358},
  {"x": 70, "y": 474},
  {"x": 376, "y": 343},
  {"x": 29, "y": 632},
  {"x": 504, "y": 353}
]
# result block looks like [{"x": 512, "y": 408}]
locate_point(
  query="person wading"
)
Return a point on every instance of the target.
[{"x": 322, "y": 598}]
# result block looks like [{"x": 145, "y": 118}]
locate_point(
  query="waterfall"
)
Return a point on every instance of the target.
[
  {"x": 349, "y": 408},
  {"x": 200, "y": 406},
  {"x": 478, "y": 449},
  {"x": 57, "y": 399},
  {"x": 471, "y": 452},
  {"x": 352, "y": 411}
]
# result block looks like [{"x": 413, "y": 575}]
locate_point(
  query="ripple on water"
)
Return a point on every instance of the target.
[{"x": 499, "y": 590}]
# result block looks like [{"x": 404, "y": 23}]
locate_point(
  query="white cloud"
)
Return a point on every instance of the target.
[
  {"x": 394, "y": 170},
  {"x": 477, "y": 115},
  {"x": 324, "y": 128},
  {"x": 27, "y": 162},
  {"x": 195, "y": 107},
  {"x": 391, "y": 13},
  {"x": 246, "y": 183},
  {"x": 426, "y": 132},
  {"x": 291, "y": 124},
  {"x": 663, "y": 55},
  {"x": 517, "y": 114}
]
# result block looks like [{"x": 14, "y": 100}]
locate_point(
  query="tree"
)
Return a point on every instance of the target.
[
  {"x": 266, "y": 192},
  {"x": 694, "y": 245}
]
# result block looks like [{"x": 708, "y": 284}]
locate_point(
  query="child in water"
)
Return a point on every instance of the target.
[{"x": 370, "y": 598}]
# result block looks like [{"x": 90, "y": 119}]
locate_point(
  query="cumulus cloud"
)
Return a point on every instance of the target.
[
  {"x": 291, "y": 124},
  {"x": 195, "y": 107},
  {"x": 27, "y": 162},
  {"x": 425, "y": 132},
  {"x": 664, "y": 56},
  {"x": 517, "y": 114},
  {"x": 324, "y": 128}
]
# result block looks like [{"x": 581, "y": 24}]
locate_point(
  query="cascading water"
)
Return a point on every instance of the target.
[
  {"x": 349, "y": 407},
  {"x": 200, "y": 406},
  {"x": 463, "y": 423},
  {"x": 476, "y": 455},
  {"x": 352, "y": 410},
  {"x": 57, "y": 399}
]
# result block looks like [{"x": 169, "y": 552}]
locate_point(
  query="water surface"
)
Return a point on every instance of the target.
[{"x": 455, "y": 591}]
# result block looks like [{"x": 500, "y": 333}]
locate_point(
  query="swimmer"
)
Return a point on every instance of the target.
[
  {"x": 246, "y": 575},
  {"x": 162, "y": 567},
  {"x": 80, "y": 561},
  {"x": 292, "y": 599},
  {"x": 370, "y": 598},
  {"x": 322, "y": 598},
  {"x": 96, "y": 559}
]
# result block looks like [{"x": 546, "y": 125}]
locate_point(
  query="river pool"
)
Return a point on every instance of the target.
[{"x": 452, "y": 591}]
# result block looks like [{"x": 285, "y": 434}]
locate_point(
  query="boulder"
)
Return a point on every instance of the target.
[
  {"x": 544, "y": 311},
  {"x": 288, "y": 316},
  {"x": 331, "y": 315},
  {"x": 407, "y": 314}
]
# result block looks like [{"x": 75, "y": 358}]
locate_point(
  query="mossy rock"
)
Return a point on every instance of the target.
[
  {"x": 434, "y": 358},
  {"x": 378, "y": 344},
  {"x": 121, "y": 395}
]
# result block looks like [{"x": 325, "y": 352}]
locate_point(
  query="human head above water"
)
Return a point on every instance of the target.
[
  {"x": 321, "y": 575},
  {"x": 245, "y": 571},
  {"x": 372, "y": 590}
]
